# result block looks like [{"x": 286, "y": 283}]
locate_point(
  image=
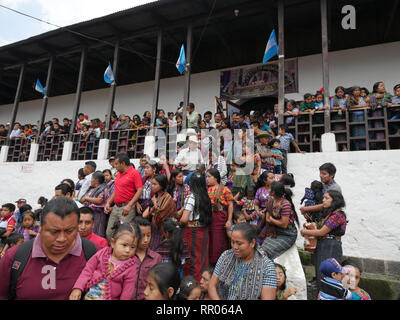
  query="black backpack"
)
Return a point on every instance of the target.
[{"x": 22, "y": 256}]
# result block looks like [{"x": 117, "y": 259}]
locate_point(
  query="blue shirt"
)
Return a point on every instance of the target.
[
  {"x": 285, "y": 141},
  {"x": 266, "y": 127},
  {"x": 277, "y": 151}
]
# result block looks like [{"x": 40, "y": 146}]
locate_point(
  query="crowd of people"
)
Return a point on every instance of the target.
[
  {"x": 352, "y": 98},
  {"x": 196, "y": 227},
  {"x": 205, "y": 224}
]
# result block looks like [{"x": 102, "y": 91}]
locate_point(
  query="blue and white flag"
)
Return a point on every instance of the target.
[
  {"x": 181, "y": 63},
  {"x": 109, "y": 75},
  {"x": 39, "y": 87},
  {"x": 272, "y": 47}
]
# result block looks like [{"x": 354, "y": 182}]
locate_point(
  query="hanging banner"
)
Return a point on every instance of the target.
[{"x": 258, "y": 81}]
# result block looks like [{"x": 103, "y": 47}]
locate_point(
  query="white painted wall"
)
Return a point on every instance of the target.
[
  {"x": 360, "y": 66},
  {"x": 369, "y": 180},
  {"x": 130, "y": 99}
]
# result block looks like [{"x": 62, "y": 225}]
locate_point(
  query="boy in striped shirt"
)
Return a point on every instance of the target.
[{"x": 331, "y": 287}]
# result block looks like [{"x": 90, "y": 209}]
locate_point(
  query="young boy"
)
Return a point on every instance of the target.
[
  {"x": 238, "y": 217},
  {"x": 308, "y": 105},
  {"x": 331, "y": 287},
  {"x": 7, "y": 220},
  {"x": 285, "y": 139},
  {"x": 14, "y": 239},
  {"x": 274, "y": 145}
]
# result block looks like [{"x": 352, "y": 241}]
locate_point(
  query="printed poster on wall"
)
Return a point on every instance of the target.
[{"x": 257, "y": 81}]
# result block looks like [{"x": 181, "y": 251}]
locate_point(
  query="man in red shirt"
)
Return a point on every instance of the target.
[
  {"x": 86, "y": 223},
  {"x": 128, "y": 188},
  {"x": 56, "y": 259}
]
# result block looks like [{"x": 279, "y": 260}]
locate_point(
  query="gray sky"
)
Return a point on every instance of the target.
[{"x": 15, "y": 27}]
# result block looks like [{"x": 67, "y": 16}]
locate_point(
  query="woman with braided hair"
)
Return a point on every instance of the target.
[{"x": 196, "y": 220}]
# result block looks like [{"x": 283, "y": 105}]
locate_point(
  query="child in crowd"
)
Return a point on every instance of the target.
[
  {"x": 204, "y": 281},
  {"x": 331, "y": 287},
  {"x": 238, "y": 217},
  {"x": 364, "y": 92},
  {"x": 173, "y": 248},
  {"x": 313, "y": 196},
  {"x": 111, "y": 273},
  {"x": 282, "y": 293},
  {"x": 147, "y": 257},
  {"x": 338, "y": 101},
  {"x": 28, "y": 229},
  {"x": 189, "y": 289},
  {"x": 7, "y": 220},
  {"x": 142, "y": 163},
  {"x": 291, "y": 110},
  {"x": 352, "y": 280},
  {"x": 247, "y": 204},
  {"x": 308, "y": 105},
  {"x": 14, "y": 239},
  {"x": 274, "y": 145},
  {"x": 285, "y": 139},
  {"x": 162, "y": 282},
  {"x": 319, "y": 102}
]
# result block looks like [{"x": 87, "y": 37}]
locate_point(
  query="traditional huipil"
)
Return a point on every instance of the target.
[
  {"x": 197, "y": 239},
  {"x": 99, "y": 192},
  {"x": 164, "y": 209},
  {"x": 220, "y": 197}
]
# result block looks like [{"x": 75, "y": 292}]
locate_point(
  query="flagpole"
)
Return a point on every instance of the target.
[
  {"x": 112, "y": 89},
  {"x": 46, "y": 95},
  {"x": 187, "y": 74},
  {"x": 281, "y": 62},
  {"x": 16, "y": 100}
]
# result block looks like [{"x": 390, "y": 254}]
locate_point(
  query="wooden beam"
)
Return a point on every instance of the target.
[{"x": 325, "y": 62}]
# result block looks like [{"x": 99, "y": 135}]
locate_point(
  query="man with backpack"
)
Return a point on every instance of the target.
[{"x": 47, "y": 267}]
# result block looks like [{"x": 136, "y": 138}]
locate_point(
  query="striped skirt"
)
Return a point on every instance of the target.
[
  {"x": 218, "y": 238},
  {"x": 198, "y": 245},
  {"x": 285, "y": 239},
  {"x": 326, "y": 249}
]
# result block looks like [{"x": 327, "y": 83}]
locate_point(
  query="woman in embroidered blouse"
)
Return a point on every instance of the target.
[
  {"x": 329, "y": 230},
  {"x": 96, "y": 199},
  {"x": 150, "y": 170},
  {"x": 222, "y": 211},
  {"x": 178, "y": 190},
  {"x": 243, "y": 272},
  {"x": 280, "y": 217},
  {"x": 161, "y": 208},
  {"x": 196, "y": 219},
  {"x": 263, "y": 190}
]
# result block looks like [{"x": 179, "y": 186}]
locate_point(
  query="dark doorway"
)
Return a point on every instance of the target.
[{"x": 262, "y": 104}]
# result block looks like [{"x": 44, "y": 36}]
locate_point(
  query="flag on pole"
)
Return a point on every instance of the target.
[
  {"x": 181, "y": 63},
  {"x": 272, "y": 47},
  {"x": 109, "y": 75},
  {"x": 39, "y": 87}
]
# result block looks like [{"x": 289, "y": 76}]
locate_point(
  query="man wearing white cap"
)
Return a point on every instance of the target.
[{"x": 188, "y": 158}]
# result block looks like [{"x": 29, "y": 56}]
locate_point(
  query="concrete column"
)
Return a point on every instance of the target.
[
  {"x": 103, "y": 149},
  {"x": 150, "y": 146},
  {"x": 67, "y": 151},
  {"x": 328, "y": 142},
  {"x": 4, "y": 153},
  {"x": 34, "y": 152}
]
